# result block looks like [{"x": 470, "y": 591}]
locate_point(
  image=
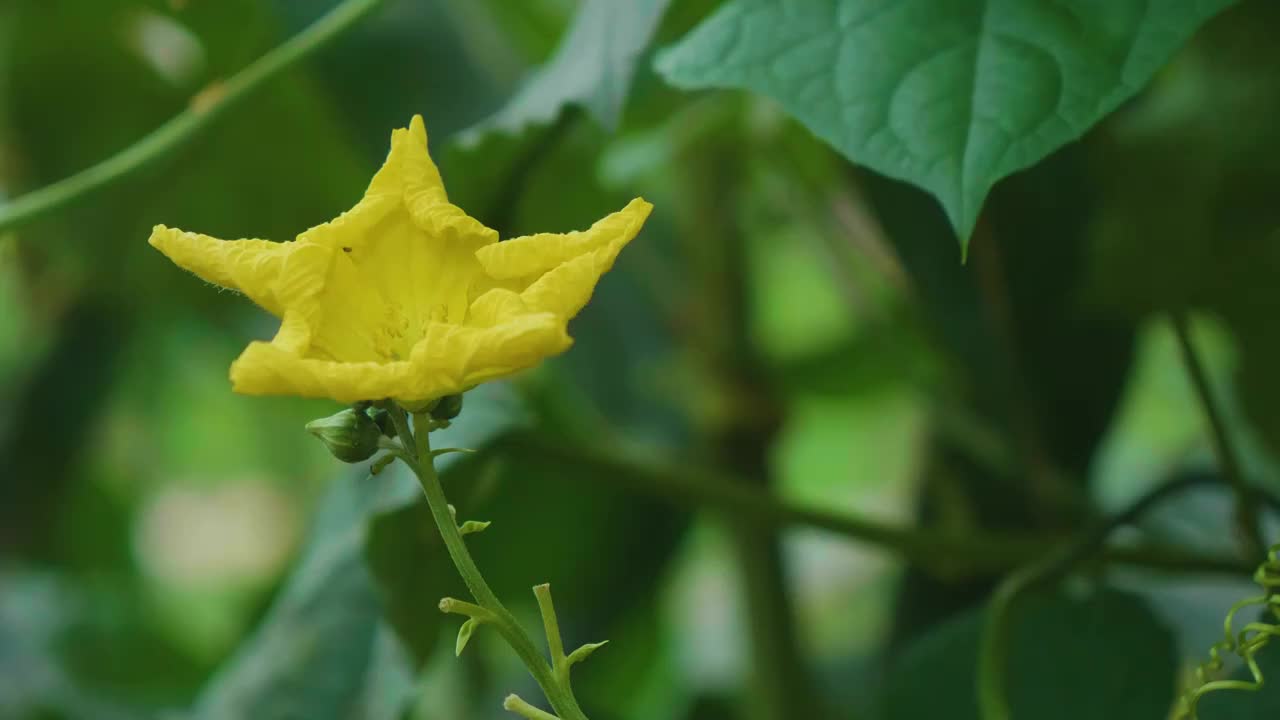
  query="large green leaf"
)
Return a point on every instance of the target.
[
  {"x": 593, "y": 67},
  {"x": 1105, "y": 657},
  {"x": 325, "y": 648},
  {"x": 312, "y": 655},
  {"x": 951, "y": 95}
]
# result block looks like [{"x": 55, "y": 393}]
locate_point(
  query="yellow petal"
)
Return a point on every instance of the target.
[
  {"x": 343, "y": 307},
  {"x": 494, "y": 307},
  {"x": 425, "y": 197},
  {"x": 567, "y": 288},
  {"x": 264, "y": 369},
  {"x": 448, "y": 222},
  {"x": 449, "y": 359},
  {"x": 407, "y": 181},
  {"x": 356, "y": 227},
  {"x": 453, "y": 358},
  {"x": 407, "y": 160},
  {"x": 532, "y": 255},
  {"x": 248, "y": 266},
  {"x": 302, "y": 275},
  {"x": 410, "y": 176},
  {"x": 421, "y": 177}
]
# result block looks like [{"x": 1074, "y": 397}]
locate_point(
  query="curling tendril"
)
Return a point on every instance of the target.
[{"x": 1246, "y": 644}]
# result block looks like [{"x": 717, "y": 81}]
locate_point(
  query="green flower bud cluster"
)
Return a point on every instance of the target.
[{"x": 354, "y": 435}]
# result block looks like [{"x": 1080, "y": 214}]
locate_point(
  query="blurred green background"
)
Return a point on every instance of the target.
[{"x": 794, "y": 323}]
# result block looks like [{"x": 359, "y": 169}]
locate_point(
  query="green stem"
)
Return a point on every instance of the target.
[
  {"x": 183, "y": 127},
  {"x": 944, "y": 553},
  {"x": 551, "y": 625},
  {"x": 1247, "y": 522},
  {"x": 525, "y": 710},
  {"x": 993, "y": 647},
  {"x": 557, "y": 693}
]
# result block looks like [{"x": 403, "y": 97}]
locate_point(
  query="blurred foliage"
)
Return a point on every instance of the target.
[
  {"x": 788, "y": 320},
  {"x": 1110, "y": 658}
]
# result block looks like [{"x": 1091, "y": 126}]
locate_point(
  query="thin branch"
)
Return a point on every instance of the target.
[
  {"x": 1224, "y": 448},
  {"x": 993, "y": 649},
  {"x": 185, "y": 126},
  {"x": 944, "y": 553}
]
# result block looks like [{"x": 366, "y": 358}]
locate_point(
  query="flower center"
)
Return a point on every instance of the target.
[{"x": 394, "y": 337}]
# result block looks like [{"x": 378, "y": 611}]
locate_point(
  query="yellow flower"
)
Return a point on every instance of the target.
[{"x": 404, "y": 296}]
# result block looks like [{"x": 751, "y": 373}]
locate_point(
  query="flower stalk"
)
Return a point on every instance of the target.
[{"x": 552, "y": 677}]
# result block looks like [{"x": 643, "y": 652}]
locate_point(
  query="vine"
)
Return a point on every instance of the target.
[
  {"x": 185, "y": 126},
  {"x": 1246, "y": 644}
]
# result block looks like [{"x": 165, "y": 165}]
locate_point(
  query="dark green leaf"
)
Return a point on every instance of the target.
[
  {"x": 37, "y": 612},
  {"x": 951, "y": 96},
  {"x": 1010, "y": 325},
  {"x": 325, "y": 649},
  {"x": 1105, "y": 657},
  {"x": 311, "y": 656},
  {"x": 593, "y": 67},
  {"x": 1203, "y": 190},
  {"x": 407, "y": 557}
]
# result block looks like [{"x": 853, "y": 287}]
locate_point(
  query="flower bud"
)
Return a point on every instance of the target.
[
  {"x": 447, "y": 407},
  {"x": 351, "y": 435},
  {"x": 382, "y": 419}
]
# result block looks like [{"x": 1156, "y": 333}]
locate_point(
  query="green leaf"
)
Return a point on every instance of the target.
[
  {"x": 464, "y": 635},
  {"x": 471, "y": 527},
  {"x": 314, "y": 653},
  {"x": 951, "y": 96},
  {"x": 326, "y": 648},
  {"x": 593, "y": 67},
  {"x": 1105, "y": 657},
  {"x": 585, "y": 652},
  {"x": 41, "y": 615},
  {"x": 1205, "y": 191}
]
